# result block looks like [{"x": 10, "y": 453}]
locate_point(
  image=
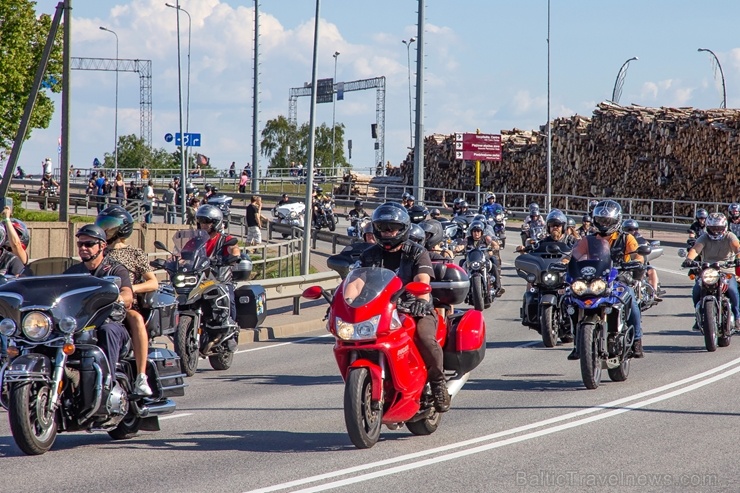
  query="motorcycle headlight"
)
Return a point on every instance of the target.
[
  {"x": 7, "y": 327},
  {"x": 597, "y": 286},
  {"x": 475, "y": 265},
  {"x": 36, "y": 326},
  {"x": 549, "y": 278},
  {"x": 578, "y": 288},
  {"x": 181, "y": 280},
  {"x": 710, "y": 276},
  {"x": 67, "y": 325},
  {"x": 499, "y": 218},
  {"x": 359, "y": 331}
]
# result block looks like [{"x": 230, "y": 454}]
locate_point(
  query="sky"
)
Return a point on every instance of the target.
[{"x": 485, "y": 66}]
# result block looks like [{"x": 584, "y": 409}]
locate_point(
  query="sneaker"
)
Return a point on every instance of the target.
[
  {"x": 441, "y": 397},
  {"x": 637, "y": 349},
  {"x": 141, "y": 386},
  {"x": 573, "y": 356}
]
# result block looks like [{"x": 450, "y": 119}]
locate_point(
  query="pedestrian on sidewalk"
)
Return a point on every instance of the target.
[{"x": 254, "y": 215}]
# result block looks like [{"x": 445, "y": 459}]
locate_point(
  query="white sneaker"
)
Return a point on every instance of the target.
[{"x": 141, "y": 386}]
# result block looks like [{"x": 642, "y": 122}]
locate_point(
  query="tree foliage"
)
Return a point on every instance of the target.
[
  {"x": 134, "y": 153},
  {"x": 283, "y": 143},
  {"x": 22, "y": 40}
]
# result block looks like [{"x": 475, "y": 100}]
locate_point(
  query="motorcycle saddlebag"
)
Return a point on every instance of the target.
[
  {"x": 164, "y": 374},
  {"x": 465, "y": 347},
  {"x": 450, "y": 285},
  {"x": 159, "y": 309},
  {"x": 251, "y": 306}
]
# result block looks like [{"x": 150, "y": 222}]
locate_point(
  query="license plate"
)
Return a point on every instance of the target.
[{"x": 561, "y": 291}]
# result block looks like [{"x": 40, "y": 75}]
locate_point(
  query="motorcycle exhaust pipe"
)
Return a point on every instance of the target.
[
  {"x": 455, "y": 384},
  {"x": 165, "y": 407}
]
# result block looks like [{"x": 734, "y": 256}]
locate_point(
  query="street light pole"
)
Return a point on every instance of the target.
[
  {"x": 115, "y": 125},
  {"x": 549, "y": 127},
  {"x": 411, "y": 111},
  {"x": 721, "y": 72},
  {"x": 183, "y": 168},
  {"x": 617, "y": 91},
  {"x": 333, "y": 110},
  {"x": 187, "y": 97}
]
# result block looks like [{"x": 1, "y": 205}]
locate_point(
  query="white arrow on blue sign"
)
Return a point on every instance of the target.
[{"x": 191, "y": 140}]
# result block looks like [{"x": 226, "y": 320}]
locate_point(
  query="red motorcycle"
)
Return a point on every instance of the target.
[{"x": 385, "y": 376}]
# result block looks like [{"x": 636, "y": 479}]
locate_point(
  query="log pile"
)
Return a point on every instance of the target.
[{"x": 630, "y": 152}]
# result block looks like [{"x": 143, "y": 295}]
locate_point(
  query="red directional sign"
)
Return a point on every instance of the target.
[{"x": 478, "y": 147}]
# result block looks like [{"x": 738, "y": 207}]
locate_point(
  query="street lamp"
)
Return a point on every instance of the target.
[
  {"x": 183, "y": 167},
  {"x": 115, "y": 125},
  {"x": 617, "y": 91},
  {"x": 187, "y": 97},
  {"x": 411, "y": 111},
  {"x": 333, "y": 110},
  {"x": 721, "y": 72}
]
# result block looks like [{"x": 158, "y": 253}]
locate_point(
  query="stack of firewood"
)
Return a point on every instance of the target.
[{"x": 637, "y": 152}]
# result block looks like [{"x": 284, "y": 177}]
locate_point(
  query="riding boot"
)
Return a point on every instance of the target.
[{"x": 637, "y": 349}]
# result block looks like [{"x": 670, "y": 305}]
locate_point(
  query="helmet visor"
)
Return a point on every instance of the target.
[
  {"x": 605, "y": 223},
  {"x": 388, "y": 226},
  {"x": 716, "y": 232},
  {"x": 109, "y": 224}
]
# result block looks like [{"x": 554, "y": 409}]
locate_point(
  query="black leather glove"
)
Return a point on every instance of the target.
[
  {"x": 419, "y": 307},
  {"x": 687, "y": 263}
]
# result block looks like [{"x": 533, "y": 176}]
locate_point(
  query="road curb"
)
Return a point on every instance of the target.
[{"x": 261, "y": 334}]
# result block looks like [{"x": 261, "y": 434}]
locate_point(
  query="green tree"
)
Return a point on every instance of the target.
[
  {"x": 283, "y": 143},
  {"x": 22, "y": 39},
  {"x": 134, "y": 153}
]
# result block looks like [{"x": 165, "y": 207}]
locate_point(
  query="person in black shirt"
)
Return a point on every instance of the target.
[
  {"x": 254, "y": 210},
  {"x": 284, "y": 199},
  {"x": 91, "y": 243},
  {"x": 410, "y": 261},
  {"x": 699, "y": 226}
]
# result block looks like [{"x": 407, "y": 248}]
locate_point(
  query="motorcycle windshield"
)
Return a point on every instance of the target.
[
  {"x": 365, "y": 284},
  {"x": 591, "y": 256},
  {"x": 190, "y": 247}
]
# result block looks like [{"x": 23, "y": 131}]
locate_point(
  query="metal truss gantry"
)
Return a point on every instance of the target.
[
  {"x": 355, "y": 85},
  {"x": 143, "y": 68}
]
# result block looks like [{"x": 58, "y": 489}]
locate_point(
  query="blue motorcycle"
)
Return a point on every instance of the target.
[{"x": 598, "y": 304}]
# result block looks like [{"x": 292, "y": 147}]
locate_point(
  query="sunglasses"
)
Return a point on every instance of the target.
[
  {"x": 87, "y": 244},
  {"x": 204, "y": 220},
  {"x": 389, "y": 228}
]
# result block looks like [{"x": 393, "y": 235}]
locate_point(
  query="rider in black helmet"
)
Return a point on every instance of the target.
[{"x": 394, "y": 251}]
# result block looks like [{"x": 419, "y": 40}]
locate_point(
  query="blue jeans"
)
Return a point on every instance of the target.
[
  {"x": 732, "y": 293},
  {"x": 634, "y": 318},
  {"x": 147, "y": 213},
  {"x": 3, "y": 345}
]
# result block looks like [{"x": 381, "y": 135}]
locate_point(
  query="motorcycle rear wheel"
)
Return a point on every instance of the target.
[
  {"x": 53, "y": 206},
  {"x": 709, "y": 325},
  {"x": 362, "y": 422},
  {"x": 221, "y": 361},
  {"x": 590, "y": 360},
  {"x": 425, "y": 426},
  {"x": 548, "y": 327},
  {"x": 186, "y": 345},
  {"x": 476, "y": 293},
  {"x": 34, "y": 430},
  {"x": 332, "y": 223}
]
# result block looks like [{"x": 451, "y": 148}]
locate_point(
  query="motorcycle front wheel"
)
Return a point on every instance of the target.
[
  {"x": 548, "y": 326},
  {"x": 332, "y": 223},
  {"x": 363, "y": 423},
  {"x": 186, "y": 344},
  {"x": 588, "y": 346},
  {"x": 476, "y": 293},
  {"x": 709, "y": 325},
  {"x": 724, "y": 339},
  {"x": 221, "y": 361},
  {"x": 34, "y": 428}
]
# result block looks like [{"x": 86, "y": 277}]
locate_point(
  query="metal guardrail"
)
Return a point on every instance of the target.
[{"x": 292, "y": 287}]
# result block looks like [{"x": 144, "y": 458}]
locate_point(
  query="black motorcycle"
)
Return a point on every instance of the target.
[
  {"x": 543, "y": 310},
  {"x": 479, "y": 268},
  {"x": 203, "y": 298},
  {"x": 223, "y": 202},
  {"x": 713, "y": 312},
  {"x": 49, "y": 197},
  {"x": 324, "y": 216},
  {"x": 58, "y": 378}
]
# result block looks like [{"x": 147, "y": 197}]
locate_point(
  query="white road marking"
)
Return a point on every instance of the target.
[
  {"x": 619, "y": 404},
  {"x": 527, "y": 344},
  {"x": 281, "y": 344},
  {"x": 173, "y": 416}
]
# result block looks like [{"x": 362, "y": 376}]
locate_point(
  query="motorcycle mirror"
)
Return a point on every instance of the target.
[
  {"x": 418, "y": 288},
  {"x": 313, "y": 293},
  {"x": 682, "y": 252},
  {"x": 160, "y": 246},
  {"x": 231, "y": 242},
  {"x": 644, "y": 249},
  {"x": 157, "y": 263},
  {"x": 553, "y": 249}
]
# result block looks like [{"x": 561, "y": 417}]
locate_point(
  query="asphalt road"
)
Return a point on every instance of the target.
[{"x": 524, "y": 422}]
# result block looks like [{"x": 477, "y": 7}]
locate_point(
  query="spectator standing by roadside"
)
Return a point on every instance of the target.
[
  {"x": 254, "y": 215},
  {"x": 120, "y": 188},
  {"x": 243, "y": 180},
  {"x": 148, "y": 201},
  {"x": 46, "y": 167},
  {"x": 145, "y": 174},
  {"x": 100, "y": 191},
  {"x": 232, "y": 170},
  {"x": 190, "y": 211},
  {"x": 168, "y": 198}
]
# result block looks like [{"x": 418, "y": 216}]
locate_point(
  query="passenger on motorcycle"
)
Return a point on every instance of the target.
[
  {"x": 699, "y": 226},
  {"x": 462, "y": 209},
  {"x": 394, "y": 251},
  {"x": 456, "y": 205},
  {"x": 632, "y": 227},
  {"x": 209, "y": 219},
  {"x": 118, "y": 225},
  {"x": 733, "y": 215},
  {"x": 607, "y": 217},
  {"x": 570, "y": 229},
  {"x": 358, "y": 212},
  {"x": 404, "y": 198},
  {"x": 434, "y": 237},
  {"x": 587, "y": 227},
  {"x": 435, "y": 214},
  {"x": 533, "y": 219},
  {"x": 17, "y": 236},
  {"x": 367, "y": 233},
  {"x": 91, "y": 243},
  {"x": 487, "y": 209},
  {"x": 716, "y": 245},
  {"x": 410, "y": 201},
  {"x": 477, "y": 238}
]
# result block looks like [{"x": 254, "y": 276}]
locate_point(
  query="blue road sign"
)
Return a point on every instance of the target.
[
  {"x": 168, "y": 137},
  {"x": 191, "y": 140}
]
